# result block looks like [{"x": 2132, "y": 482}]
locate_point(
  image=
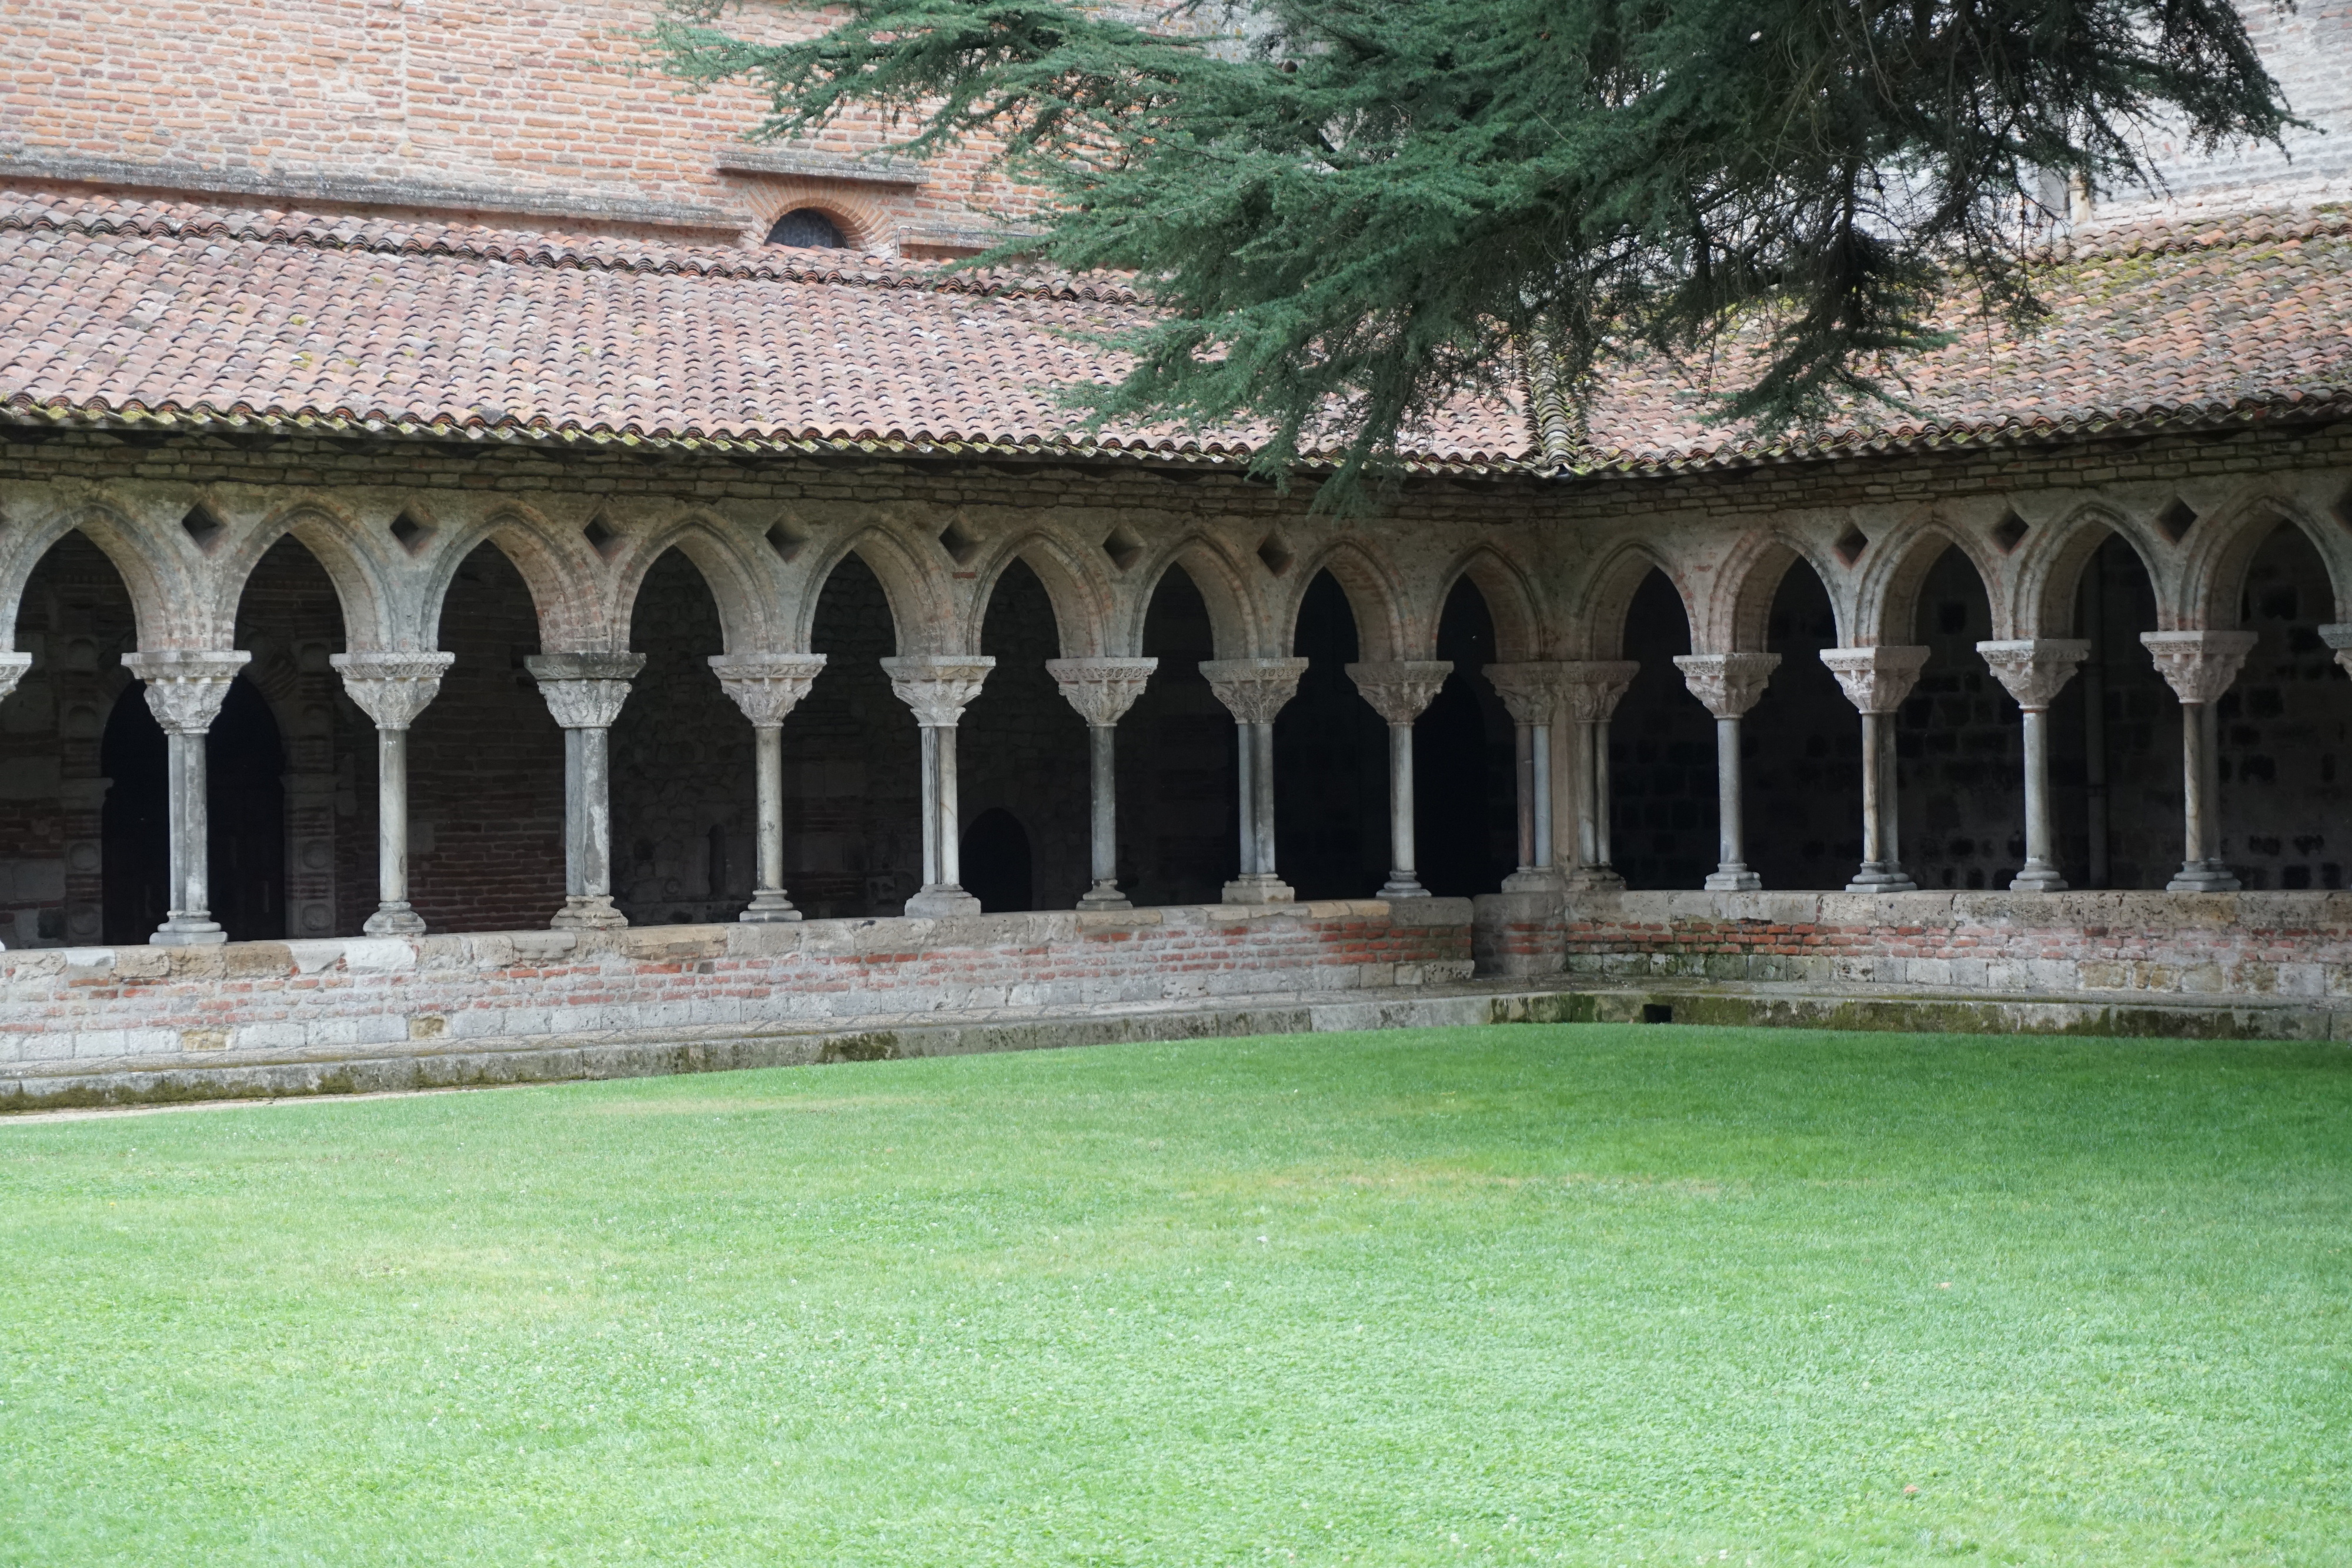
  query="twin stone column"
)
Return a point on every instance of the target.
[
  {"x": 938, "y": 689},
  {"x": 1102, "y": 690},
  {"x": 1253, "y": 691},
  {"x": 585, "y": 693},
  {"x": 185, "y": 688}
]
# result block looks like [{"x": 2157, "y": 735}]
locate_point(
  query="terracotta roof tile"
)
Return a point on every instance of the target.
[{"x": 113, "y": 308}]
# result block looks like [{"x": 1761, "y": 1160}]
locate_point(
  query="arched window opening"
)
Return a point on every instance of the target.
[
  {"x": 1021, "y": 746},
  {"x": 852, "y": 784},
  {"x": 1960, "y": 755},
  {"x": 999, "y": 869},
  {"x": 2127, "y": 737},
  {"x": 1464, "y": 800},
  {"x": 1803, "y": 750},
  {"x": 1330, "y": 761},
  {"x": 1180, "y": 836},
  {"x": 1662, "y": 820},
  {"x": 2286, "y": 730},
  {"x": 809, "y": 229}
]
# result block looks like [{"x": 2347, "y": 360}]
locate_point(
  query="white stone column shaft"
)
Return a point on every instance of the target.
[
  {"x": 2033, "y": 671},
  {"x": 766, "y": 687},
  {"x": 938, "y": 689},
  {"x": 392, "y": 689},
  {"x": 1594, "y": 689},
  {"x": 1530, "y": 691},
  {"x": 1253, "y": 691},
  {"x": 1102, "y": 690},
  {"x": 1877, "y": 680},
  {"x": 185, "y": 688},
  {"x": 1729, "y": 684},
  {"x": 2200, "y": 666},
  {"x": 585, "y": 691},
  {"x": 1401, "y": 691}
]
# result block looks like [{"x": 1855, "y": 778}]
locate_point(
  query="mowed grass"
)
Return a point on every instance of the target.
[{"x": 1580, "y": 1295}]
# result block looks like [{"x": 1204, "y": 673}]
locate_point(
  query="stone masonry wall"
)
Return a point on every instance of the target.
[{"x": 95, "y": 1010}]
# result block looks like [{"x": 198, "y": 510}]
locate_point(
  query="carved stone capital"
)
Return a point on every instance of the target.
[
  {"x": 1254, "y": 690},
  {"x": 393, "y": 688},
  {"x": 1530, "y": 690},
  {"x": 2199, "y": 665},
  {"x": 1102, "y": 690},
  {"x": 1729, "y": 683},
  {"x": 2034, "y": 670},
  {"x": 12, "y": 670},
  {"x": 2339, "y": 637},
  {"x": 1877, "y": 680},
  {"x": 938, "y": 689},
  {"x": 1595, "y": 687},
  {"x": 1401, "y": 689},
  {"x": 185, "y": 687},
  {"x": 767, "y": 686},
  {"x": 585, "y": 691}
]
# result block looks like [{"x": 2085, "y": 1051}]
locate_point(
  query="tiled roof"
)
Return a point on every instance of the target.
[
  {"x": 110, "y": 308},
  {"x": 113, "y": 309},
  {"x": 2150, "y": 327}
]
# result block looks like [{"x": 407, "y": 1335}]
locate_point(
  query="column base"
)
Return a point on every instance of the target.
[
  {"x": 1875, "y": 878},
  {"x": 1104, "y": 896},
  {"x": 1536, "y": 879},
  {"x": 2038, "y": 876},
  {"x": 588, "y": 912},
  {"x": 768, "y": 906},
  {"x": 1596, "y": 879},
  {"x": 393, "y": 917},
  {"x": 1260, "y": 887},
  {"x": 1733, "y": 879},
  {"x": 2203, "y": 877},
  {"x": 940, "y": 900},
  {"x": 183, "y": 930},
  {"x": 1403, "y": 885}
]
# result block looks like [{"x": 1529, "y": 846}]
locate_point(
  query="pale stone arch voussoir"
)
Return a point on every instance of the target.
[
  {"x": 1085, "y": 607},
  {"x": 344, "y": 550},
  {"x": 1236, "y": 630},
  {"x": 922, "y": 611},
  {"x": 2050, "y": 571},
  {"x": 2214, "y": 577},
  {"x": 1607, "y": 598},
  {"x": 1512, "y": 602},
  {"x": 557, "y": 563},
  {"x": 160, "y": 591},
  {"x": 1375, "y": 597},
  {"x": 1887, "y": 603},
  {"x": 737, "y": 573},
  {"x": 1740, "y": 612}
]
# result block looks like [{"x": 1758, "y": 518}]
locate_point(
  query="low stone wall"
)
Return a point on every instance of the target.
[
  {"x": 99, "y": 1009},
  {"x": 2205, "y": 945}
]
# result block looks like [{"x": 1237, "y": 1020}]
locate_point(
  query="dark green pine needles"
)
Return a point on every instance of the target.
[{"x": 1351, "y": 211}]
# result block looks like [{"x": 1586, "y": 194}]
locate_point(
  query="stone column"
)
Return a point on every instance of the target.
[
  {"x": 766, "y": 687},
  {"x": 2034, "y": 671},
  {"x": 1876, "y": 681},
  {"x": 1531, "y": 695},
  {"x": 1399, "y": 691},
  {"x": 1253, "y": 691},
  {"x": 2339, "y": 637},
  {"x": 392, "y": 689},
  {"x": 185, "y": 688},
  {"x": 1594, "y": 688},
  {"x": 2198, "y": 666},
  {"x": 938, "y": 690},
  {"x": 1102, "y": 690},
  {"x": 1729, "y": 683},
  {"x": 585, "y": 692}
]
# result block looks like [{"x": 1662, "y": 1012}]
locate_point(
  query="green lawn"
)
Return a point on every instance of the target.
[{"x": 1581, "y": 1294}]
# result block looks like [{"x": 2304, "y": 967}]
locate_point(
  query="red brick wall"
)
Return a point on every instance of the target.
[{"x": 94, "y": 1010}]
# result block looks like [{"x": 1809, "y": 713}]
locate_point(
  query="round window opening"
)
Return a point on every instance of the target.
[{"x": 808, "y": 228}]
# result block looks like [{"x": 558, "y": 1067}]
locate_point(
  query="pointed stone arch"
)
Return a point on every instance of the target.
[
  {"x": 2049, "y": 578},
  {"x": 1887, "y": 606},
  {"x": 1220, "y": 583},
  {"x": 1375, "y": 597},
  {"x": 1748, "y": 582},
  {"x": 747, "y": 594},
  {"x": 158, "y": 588},
  {"x": 556, "y": 563},
  {"x": 922, "y": 618},
  {"x": 1511, "y": 602},
  {"x": 1609, "y": 597},
  {"x": 340, "y": 545},
  {"x": 1081, "y": 596},
  {"x": 2214, "y": 577}
]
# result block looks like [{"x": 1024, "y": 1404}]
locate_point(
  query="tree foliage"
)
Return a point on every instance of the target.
[{"x": 1351, "y": 211}]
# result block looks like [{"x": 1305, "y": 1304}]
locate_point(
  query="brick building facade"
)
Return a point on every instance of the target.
[{"x": 513, "y": 537}]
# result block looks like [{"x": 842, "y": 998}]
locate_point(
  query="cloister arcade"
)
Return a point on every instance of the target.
[{"x": 394, "y": 712}]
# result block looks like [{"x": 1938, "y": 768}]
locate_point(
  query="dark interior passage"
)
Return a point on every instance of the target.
[
  {"x": 684, "y": 782},
  {"x": 1661, "y": 753},
  {"x": 245, "y": 762},
  {"x": 1802, "y": 750},
  {"x": 1330, "y": 762},
  {"x": 999, "y": 868},
  {"x": 1178, "y": 835},
  {"x": 1957, "y": 747},
  {"x": 1464, "y": 809},
  {"x": 853, "y": 804},
  {"x": 2115, "y": 751},
  {"x": 1020, "y": 754},
  {"x": 2286, "y": 728}
]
